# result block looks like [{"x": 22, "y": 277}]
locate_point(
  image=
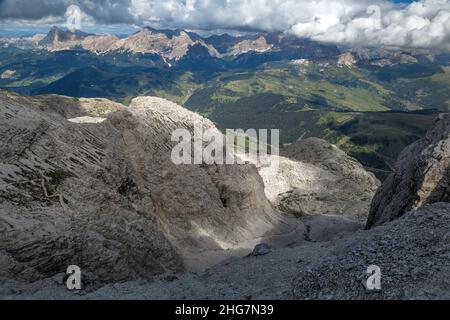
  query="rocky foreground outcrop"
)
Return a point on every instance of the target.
[
  {"x": 90, "y": 182},
  {"x": 412, "y": 254},
  {"x": 422, "y": 176},
  {"x": 147, "y": 41}
]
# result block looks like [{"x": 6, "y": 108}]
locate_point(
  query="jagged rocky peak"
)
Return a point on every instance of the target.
[
  {"x": 421, "y": 176},
  {"x": 56, "y": 35},
  {"x": 171, "y": 45},
  {"x": 257, "y": 45},
  {"x": 169, "y": 33},
  {"x": 101, "y": 43}
]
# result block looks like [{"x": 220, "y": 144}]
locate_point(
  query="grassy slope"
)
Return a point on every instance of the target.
[{"x": 327, "y": 102}]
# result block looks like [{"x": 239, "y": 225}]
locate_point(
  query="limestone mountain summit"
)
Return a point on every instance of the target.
[
  {"x": 175, "y": 44},
  {"x": 58, "y": 37}
]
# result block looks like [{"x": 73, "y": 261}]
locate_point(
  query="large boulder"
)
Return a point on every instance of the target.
[{"x": 421, "y": 176}]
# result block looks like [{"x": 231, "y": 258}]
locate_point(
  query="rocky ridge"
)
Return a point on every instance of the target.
[
  {"x": 421, "y": 176},
  {"x": 258, "y": 45},
  {"x": 147, "y": 40},
  {"x": 98, "y": 189},
  {"x": 174, "y": 45}
]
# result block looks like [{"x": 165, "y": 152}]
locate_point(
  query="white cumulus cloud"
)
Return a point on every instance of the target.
[{"x": 421, "y": 24}]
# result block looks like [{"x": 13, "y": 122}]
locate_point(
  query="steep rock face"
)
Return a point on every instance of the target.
[
  {"x": 380, "y": 57},
  {"x": 412, "y": 254},
  {"x": 422, "y": 176},
  {"x": 63, "y": 198},
  {"x": 172, "y": 47},
  {"x": 258, "y": 45},
  {"x": 100, "y": 44},
  {"x": 58, "y": 39},
  {"x": 98, "y": 189},
  {"x": 148, "y": 41},
  {"x": 315, "y": 177}
]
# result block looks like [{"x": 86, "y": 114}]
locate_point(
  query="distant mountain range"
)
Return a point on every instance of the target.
[{"x": 172, "y": 47}]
